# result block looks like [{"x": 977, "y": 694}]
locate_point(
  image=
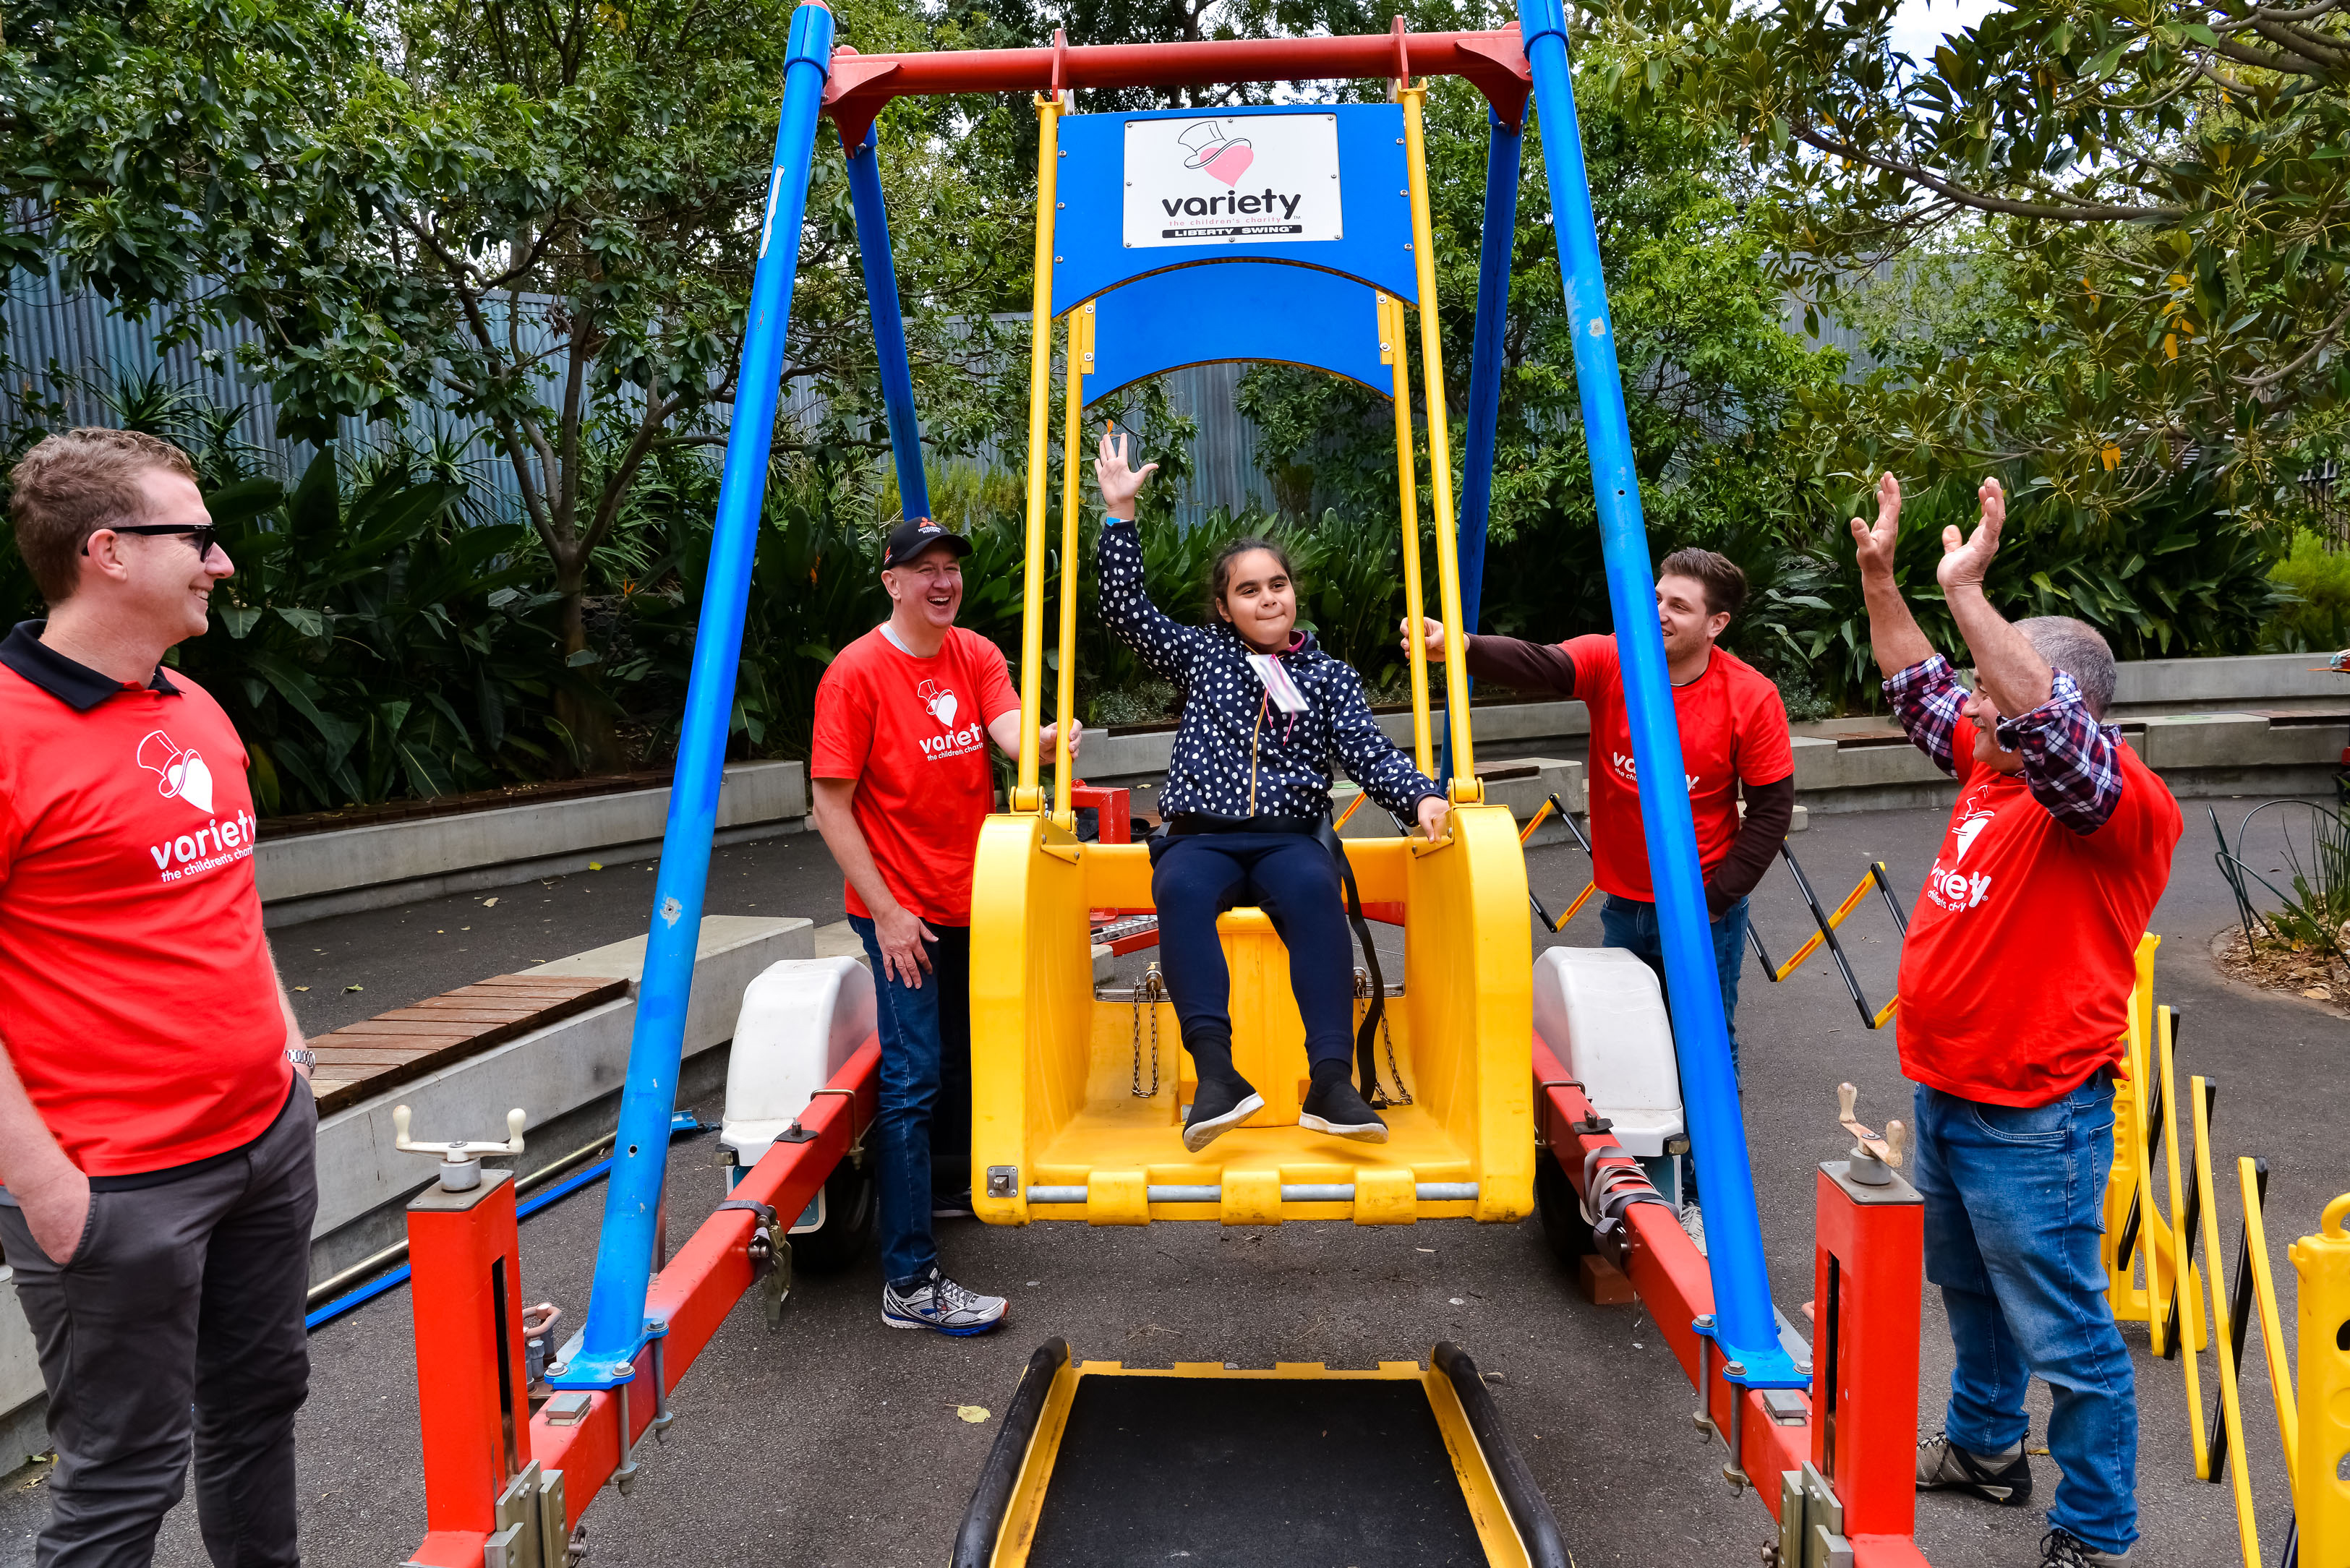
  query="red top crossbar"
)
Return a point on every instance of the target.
[{"x": 1495, "y": 62}]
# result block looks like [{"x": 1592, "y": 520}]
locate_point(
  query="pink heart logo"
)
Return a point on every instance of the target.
[{"x": 1232, "y": 163}]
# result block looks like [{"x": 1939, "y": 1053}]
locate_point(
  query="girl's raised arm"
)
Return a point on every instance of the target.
[{"x": 1165, "y": 645}]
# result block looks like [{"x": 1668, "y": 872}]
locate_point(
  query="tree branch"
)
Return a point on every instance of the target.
[
  {"x": 2326, "y": 335},
  {"x": 2070, "y": 214}
]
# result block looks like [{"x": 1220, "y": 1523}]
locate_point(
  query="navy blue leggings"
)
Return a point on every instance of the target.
[{"x": 1292, "y": 880}]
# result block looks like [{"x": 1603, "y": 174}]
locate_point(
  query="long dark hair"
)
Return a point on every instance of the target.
[{"x": 1220, "y": 575}]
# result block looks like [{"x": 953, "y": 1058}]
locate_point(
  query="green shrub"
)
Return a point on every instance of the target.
[{"x": 2317, "y": 617}]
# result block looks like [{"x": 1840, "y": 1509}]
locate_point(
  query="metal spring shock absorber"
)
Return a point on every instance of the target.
[
  {"x": 1148, "y": 995},
  {"x": 1386, "y": 1036}
]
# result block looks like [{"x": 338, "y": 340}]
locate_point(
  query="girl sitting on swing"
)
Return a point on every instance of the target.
[{"x": 1265, "y": 712}]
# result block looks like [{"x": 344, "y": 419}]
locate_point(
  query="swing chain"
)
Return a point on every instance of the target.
[
  {"x": 1378, "y": 1095},
  {"x": 1148, "y": 994}
]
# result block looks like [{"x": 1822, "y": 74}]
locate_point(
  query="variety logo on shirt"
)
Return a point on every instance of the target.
[
  {"x": 184, "y": 772},
  {"x": 943, "y": 705},
  {"x": 1629, "y": 771},
  {"x": 1951, "y": 887}
]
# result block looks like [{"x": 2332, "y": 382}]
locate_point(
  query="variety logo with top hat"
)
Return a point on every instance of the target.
[
  {"x": 939, "y": 705},
  {"x": 184, "y": 772},
  {"x": 1242, "y": 179},
  {"x": 1210, "y": 150}
]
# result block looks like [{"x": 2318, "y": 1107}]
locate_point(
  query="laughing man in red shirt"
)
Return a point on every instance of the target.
[
  {"x": 2015, "y": 984},
  {"x": 155, "y": 1139},
  {"x": 903, "y": 718}
]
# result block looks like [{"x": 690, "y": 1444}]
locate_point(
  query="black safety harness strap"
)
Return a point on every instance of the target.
[{"x": 1366, "y": 1062}]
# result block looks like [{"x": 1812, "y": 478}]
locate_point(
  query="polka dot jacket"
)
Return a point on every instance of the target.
[{"x": 1225, "y": 705}]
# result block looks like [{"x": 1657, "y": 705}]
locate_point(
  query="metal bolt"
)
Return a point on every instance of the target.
[
  {"x": 625, "y": 1369},
  {"x": 1733, "y": 1370},
  {"x": 1705, "y": 1321}
]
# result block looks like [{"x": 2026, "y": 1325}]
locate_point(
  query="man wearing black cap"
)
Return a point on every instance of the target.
[{"x": 902, "y": 784}]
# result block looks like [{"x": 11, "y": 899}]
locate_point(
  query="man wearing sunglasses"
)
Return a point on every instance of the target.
[
  {"x": 156, "y": 1179},
  {"x": 2015, "y": 983}
]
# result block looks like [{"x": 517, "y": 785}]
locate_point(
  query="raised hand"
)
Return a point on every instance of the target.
[
  {"x": 1966, "y": 559},
  {"x": 1119, "y": 484},
  {"x": 1876, "y": 544}
]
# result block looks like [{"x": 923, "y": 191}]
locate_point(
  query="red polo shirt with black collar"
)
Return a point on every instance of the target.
[{"x": 137, "y": 1004}]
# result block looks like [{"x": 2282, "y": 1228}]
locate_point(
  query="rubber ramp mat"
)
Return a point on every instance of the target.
[{"x": 1253, "y": 1473}]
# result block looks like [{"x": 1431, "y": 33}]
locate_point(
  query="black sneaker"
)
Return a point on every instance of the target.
[
  {"x": 1943, "y": 1466},
  {"x": 1333, "y": 1107},
  {"x": 1217, "y": 1106},
  {"x": 2062, "y": 1549},
  {"x": 951, "y": 1205}
]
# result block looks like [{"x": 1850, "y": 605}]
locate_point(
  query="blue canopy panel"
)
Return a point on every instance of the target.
[
  {"x": 1236, "y": 310},
  {"x": 1319, "y": 187}
]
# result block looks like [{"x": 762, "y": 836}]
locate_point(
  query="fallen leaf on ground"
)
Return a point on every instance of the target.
[
  {"x": 2318, "y": 993},
  {"x": 974, "y": 1414}
]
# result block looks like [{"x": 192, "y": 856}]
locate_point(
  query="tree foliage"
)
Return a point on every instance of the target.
[{"x": 2164, "y": 188}]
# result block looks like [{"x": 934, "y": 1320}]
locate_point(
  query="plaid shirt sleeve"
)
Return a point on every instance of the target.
[
  {"x": 2072, "y": 763},
  {"x": 1927, "y": 698}
]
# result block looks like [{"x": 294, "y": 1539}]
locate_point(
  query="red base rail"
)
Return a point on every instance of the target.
[
  {"x": 474, "y": 1443},
  {"x": 1874, "y": 1251}
]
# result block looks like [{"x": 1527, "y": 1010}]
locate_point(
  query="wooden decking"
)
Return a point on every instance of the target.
[{"x": 366, "y": 1058}]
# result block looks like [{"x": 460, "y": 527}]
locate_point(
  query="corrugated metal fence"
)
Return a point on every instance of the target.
[{"x": 77, "y": 352}]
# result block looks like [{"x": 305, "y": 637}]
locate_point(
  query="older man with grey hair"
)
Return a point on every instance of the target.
[{"x": 2015, "y": 985}]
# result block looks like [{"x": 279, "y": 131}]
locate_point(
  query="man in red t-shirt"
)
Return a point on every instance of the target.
[
  {"x": 2015, "y": 984},
  {"x": 157, "y": 1141},
  {"x": 1733, "y": 729},
  {"x": 903, "y": 785}
]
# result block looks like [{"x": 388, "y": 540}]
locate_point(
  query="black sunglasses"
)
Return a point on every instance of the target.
[{"x": 205, "y": 535}]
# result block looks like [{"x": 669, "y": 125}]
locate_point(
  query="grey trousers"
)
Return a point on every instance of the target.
[{"x": 179, "y": 1322}]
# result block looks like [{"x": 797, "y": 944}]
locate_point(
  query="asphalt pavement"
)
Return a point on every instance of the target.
[{"x": 835, "y": 1442}]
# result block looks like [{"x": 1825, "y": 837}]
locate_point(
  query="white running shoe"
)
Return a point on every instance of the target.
[
  {"x": 941, "y": 1303},
  {"x": 1693, "y": 1221}
]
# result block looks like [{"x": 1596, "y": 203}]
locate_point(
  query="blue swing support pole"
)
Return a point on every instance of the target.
[
  {"x": 617, "y": 1328},
  {"x": 1743, "y": 1324},
  {"x": 888, "y": 323},
  {"x": 1504, "y": 153}
]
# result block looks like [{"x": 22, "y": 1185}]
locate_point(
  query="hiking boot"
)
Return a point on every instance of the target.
[
  {"x": 937, "y": 1302},
  {"x": 2004, "y": 1477},
  {"x": 2062, "y": 1549},
  {"x": 1218, "y": 1104},
  {"x": 1333, "y": 1106}
]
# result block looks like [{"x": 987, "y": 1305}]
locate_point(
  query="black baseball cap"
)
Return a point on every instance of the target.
[{"x": 916, "y": 534}]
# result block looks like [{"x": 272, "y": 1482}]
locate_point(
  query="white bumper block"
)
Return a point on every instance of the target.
[
  {"x": 1601, "y": 1010},
  {"x": 802, "y": 1019}
]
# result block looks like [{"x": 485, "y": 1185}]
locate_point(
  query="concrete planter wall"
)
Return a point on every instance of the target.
[{"x": 323, "y": 873}]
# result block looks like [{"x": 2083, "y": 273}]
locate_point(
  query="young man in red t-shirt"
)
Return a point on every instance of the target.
[
  {"x": 1733, "y": 729},
  {"x": 2015, "y": 984},
  {"x": 157, "y": 1143},
  {"x": 903, "y": 785}
]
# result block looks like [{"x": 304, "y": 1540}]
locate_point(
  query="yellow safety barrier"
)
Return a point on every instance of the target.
[
  {"x": 2249, "y": 1175},
  {"x": 2322, "y": 1485},
  {"x": 2230, "y": 1421},
  {"x": 1825, "y": 924},
  {"x": 2182, "y": 1309},
  {"x": 2135, "y": 1226}
]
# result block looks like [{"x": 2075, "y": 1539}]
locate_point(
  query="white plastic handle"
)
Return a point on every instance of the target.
[{"x": 457, "y": 1151}]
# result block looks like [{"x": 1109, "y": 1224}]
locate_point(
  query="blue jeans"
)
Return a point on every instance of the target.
[
  {"x": 925, "y": 1085},
  {"x": 2012, "y": 1227},
  {"x": 1631, "y": 925}
]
